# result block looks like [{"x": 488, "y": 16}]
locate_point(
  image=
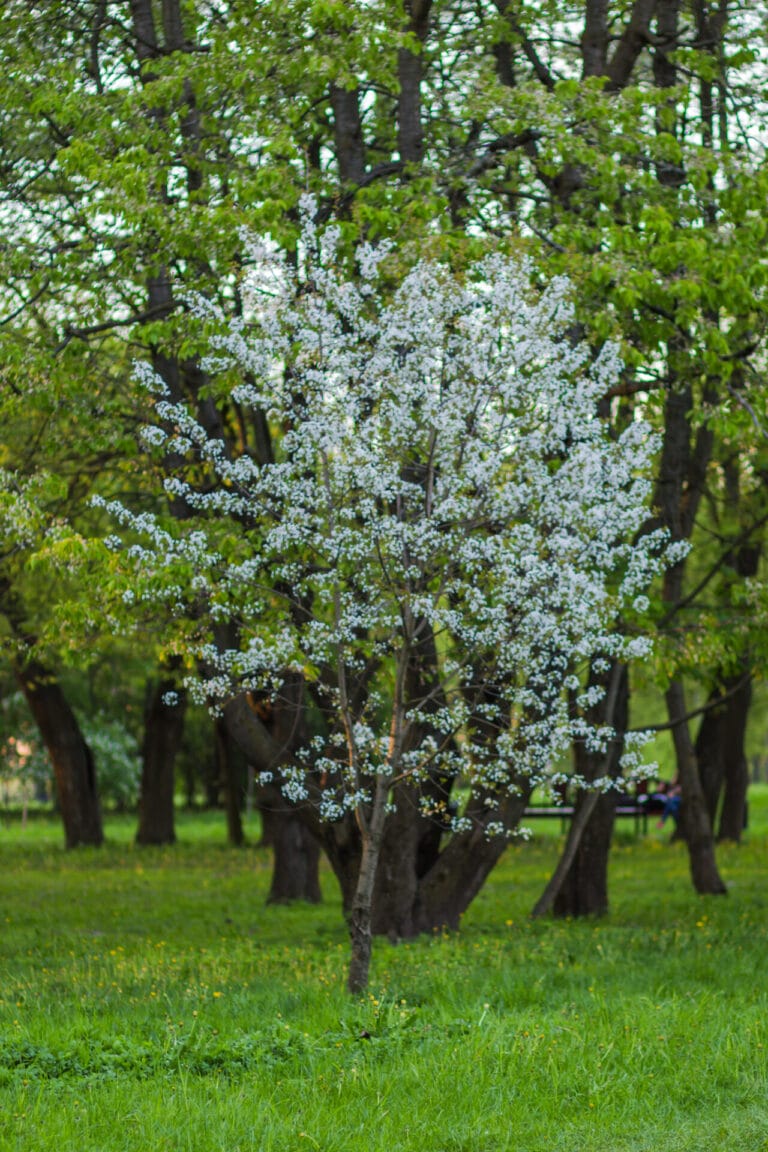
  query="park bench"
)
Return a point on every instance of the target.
[{"x": 564, "y": 812}]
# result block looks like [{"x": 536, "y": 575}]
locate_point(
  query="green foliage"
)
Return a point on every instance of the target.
[
  {"x": 116, "y": 754},
  {"x": 24, "y": 764}
]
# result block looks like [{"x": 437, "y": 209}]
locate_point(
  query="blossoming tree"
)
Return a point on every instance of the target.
[{"x": 441, "y": 536}]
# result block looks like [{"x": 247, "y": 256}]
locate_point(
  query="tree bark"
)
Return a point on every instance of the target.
[
  {"x": 267, "y": 739},
  {"x": 733, "y": 813},
  {"x": 397, "y": 870},
  {"x": 709, "y": 753},
  {"x": 163, "y": 729},
  {"x": 464, "y": 865},
  {"x": 145, "y": 34},
  {"x": 360, "y": 934},
  {"x": 348, "y": 134},
  {"x": 633, "y": 39},
  {"x": 594, "y": 39},
  {"x": 410, "y": 70},
  {"x": 737, "y": 688},
  {"x": 679, "y": 489},
  {"x": 295, "y": 875},
  {"x": 584, "y": 887},
  {"x": 230, "y": 772},
  {"x": 72, "y": 760},
  {"x": 695, "y": 824}
]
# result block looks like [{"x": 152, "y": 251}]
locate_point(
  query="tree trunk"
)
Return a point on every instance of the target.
[
  {"x": 266, "y": 736},
  {"x": 410, "y": 70},
  {"x": 584, "y": 889},
  {"x": 736, "y": 771},
  {"x": 397, "y": 870},
  {"x": 342, "y": 846},
  {"x": 682, "y": 473},
  {"x": 360, "y": 918},
  {"x": 464, "y": 865},
  {"x": 348, "y": 134},
  {"x": 70, "y": 755},
  {"x": 583, "y": 884},
  {"x": 695, "y": 824},
  {"x": 296, "y": 851},
  {"x": 594, "y": 39},
  {"x": 164, "y": 725},
  {"x": 267, "y": 838},
  {"x": 230, "y": 771},
  {"x": 709, "y": 752},
  {"x": 738, "y": 689}
]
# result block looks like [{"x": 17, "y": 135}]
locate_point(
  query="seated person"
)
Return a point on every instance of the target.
[
  {"x": 657, "y": 796},
  {"x": 672, "y": 800}
]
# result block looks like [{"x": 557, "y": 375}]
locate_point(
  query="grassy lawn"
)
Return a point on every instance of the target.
[{"x": 150, "y": 1001}]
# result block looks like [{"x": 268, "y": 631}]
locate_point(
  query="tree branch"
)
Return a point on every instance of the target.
[
  {"x": 631, "y": 43},
  {"x": 501, "y": 145},
  {"x": 691, "y": 596},
  {"x": 671, "y": 724},
  {"x": 71, "y": 333},
  {"x": 25, "y": 304}
]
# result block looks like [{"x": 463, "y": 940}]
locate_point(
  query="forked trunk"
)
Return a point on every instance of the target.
[
  {"x": 418, "y": 887},
  {"x": 583, "y": 885},
  {"x": 464, "y": 865},
  {"x": 584, "y": 889}
]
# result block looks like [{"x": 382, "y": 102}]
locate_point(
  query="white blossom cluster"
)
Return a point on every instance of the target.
[
  {"x": 439, "y": 468},
  {"x": 24, "y": 518}
]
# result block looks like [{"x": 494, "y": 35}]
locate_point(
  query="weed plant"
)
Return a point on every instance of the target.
[{"x": 149, "y": 1000}]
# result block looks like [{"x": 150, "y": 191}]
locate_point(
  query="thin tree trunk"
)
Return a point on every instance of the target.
[
  {"x": 682, "y": 473},
  {"x": 70, "y": 755},
  {"x": 360, "y": 934},
  {"x": 733, "y": 815}
]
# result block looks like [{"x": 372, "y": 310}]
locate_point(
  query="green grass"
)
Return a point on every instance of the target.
[{"x": 149, "y": 1001}]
